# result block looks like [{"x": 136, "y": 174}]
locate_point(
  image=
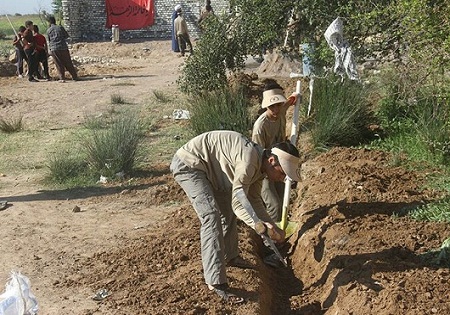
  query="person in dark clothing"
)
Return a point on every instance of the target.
[
  {"x": 29, "y": 46},
  {"x": 41, "y": 53},
  {"x": 59, "y": 50}
]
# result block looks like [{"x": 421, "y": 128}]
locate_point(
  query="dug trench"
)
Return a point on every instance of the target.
[{"x": 351, "y": 254}]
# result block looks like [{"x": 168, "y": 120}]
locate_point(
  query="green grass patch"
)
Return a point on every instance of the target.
[
  {"x": 107, "y": 149},
  {"x": 340, "y": 114},
  {"x": 11, "y": 125},
  {"x": 222, "y": 109},
  {"x": 114, "y": 149},
  {"x": 123, "y": 84},
  {"x": 436, "y": 211},
  {"x": 161, "y": 96},
  {"x": 19, "y": 20},
  {"x": 6, "y": 47},
  {"x": 68, "y": 168},
  {"x": 406, "y": 147},
  {"x": 117, "y": 99},
  {"x": 27, "y": 151}
]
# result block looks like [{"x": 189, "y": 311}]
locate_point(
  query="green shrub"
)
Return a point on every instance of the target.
[
  {"x": 433, "y": 125},
  {"x": 224, "y": 109},
  {"x": 340, "y": 113},
  {"x": 66, "y": 167},
  {"x": 415, "y": 102},
  {"x": 11, "y": 125},
  {"x": 438, "y": 211},
  {"x": 99, "y": 122},
  {"x": 217, "y": 51},
  {"x": 161, "y": 96},
  {"x": 117, "y": 99},
  {"x": 114, "y": 149}
]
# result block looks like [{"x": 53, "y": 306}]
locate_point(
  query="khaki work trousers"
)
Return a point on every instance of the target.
[
  {"x": 218, "y": 231},
  {"x": 272, "y": 194}
]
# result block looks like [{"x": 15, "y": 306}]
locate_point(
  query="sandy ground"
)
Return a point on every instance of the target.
[{"x": 139, "y": 240}]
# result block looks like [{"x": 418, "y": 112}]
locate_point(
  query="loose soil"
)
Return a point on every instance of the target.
[{"x": 139, "y": 239}]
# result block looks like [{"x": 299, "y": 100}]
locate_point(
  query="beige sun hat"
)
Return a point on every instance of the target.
[
  {"x": 289, "y": 163},
  {"x": 273, "y": 96}
]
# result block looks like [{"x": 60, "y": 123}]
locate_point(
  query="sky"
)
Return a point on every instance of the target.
[{"x": 12, "y": 7}]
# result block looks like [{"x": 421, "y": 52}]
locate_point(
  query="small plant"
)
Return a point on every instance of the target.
[
  {"x": 98, "y": 122},
  {"x": 114, "y": 149},
  {"x": 440, "y": 256},
  {"x": 224, "y": 109},
  {"x": 123, "y": 84},
  {"x": 10, "y": 126},
  {"x": 65, "y": 167},
  {"x": 340, "y": 114},
  {"x": 117, "y": 99},
  {"x": 161, "y": 96}
]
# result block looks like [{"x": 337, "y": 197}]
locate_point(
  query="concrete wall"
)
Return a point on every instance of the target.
[{"x": 85, "y": 20}]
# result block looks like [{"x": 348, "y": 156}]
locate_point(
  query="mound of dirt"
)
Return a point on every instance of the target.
[
  {"x": 350, "y": 255},
  {"x": 7, "y": 69},
  {"x": 280, "y": 63}
]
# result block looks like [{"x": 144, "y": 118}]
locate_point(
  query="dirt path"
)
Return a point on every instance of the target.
[{"x": 41, "y": 235}]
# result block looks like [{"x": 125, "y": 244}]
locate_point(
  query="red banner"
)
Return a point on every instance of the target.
[{"x": 129, "y": 14}]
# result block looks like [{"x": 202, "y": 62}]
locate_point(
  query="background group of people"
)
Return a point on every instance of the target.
[
  {"x": 180, "y": 34},
  {"x": 33, "y": 48}
]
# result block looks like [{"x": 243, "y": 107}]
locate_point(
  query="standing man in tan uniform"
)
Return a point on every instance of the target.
[
  {"x": 270, "y": 128},
  {"x": 216, "y": 169},
  {"x": 181, "y": 30}
]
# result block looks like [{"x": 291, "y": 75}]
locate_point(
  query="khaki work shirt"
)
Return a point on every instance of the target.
[
  {"x": 231, "y": 162},
  {"x": 180, "y": 26},
  {"x": 267, "y": 132}
]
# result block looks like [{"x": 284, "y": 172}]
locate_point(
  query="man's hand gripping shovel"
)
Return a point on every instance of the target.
[{"x": 260, "y": 226}]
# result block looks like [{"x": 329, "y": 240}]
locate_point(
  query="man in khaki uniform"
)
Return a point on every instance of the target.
[
  {"x": 181, "y": 30},
  {"x": 270, "y": 128},
  {"x": 214, "y": 169}
]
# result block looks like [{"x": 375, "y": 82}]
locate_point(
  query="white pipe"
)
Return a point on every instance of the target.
[{"x": 293, "y": 139}]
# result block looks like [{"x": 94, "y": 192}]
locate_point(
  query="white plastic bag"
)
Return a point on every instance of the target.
[
  {"x": 17, "y": 298},
  {"x": 344, "y": 62}
]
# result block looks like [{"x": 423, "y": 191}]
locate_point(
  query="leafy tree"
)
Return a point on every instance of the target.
[
  {"x": 401, "y": 29},
  {"x": 261, "y": 24},
  {"x": 218, "y": 50}
]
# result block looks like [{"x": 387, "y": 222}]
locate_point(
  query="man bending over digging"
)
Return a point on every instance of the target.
[{"x": 219, "y": 172}]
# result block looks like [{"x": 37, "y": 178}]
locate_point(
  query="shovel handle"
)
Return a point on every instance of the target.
[{"x": 293, "y": 139}]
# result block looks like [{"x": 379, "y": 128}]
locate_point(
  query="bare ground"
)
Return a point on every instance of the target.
[{"x": 139, "y": 239}]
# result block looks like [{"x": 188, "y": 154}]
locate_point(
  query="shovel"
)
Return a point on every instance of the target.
[
  {"x": 260, "y": 227},
  {"x": 290, "y": 227}
]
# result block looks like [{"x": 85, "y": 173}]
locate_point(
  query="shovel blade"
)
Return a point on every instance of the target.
[{"x": 290, "y": 228}]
